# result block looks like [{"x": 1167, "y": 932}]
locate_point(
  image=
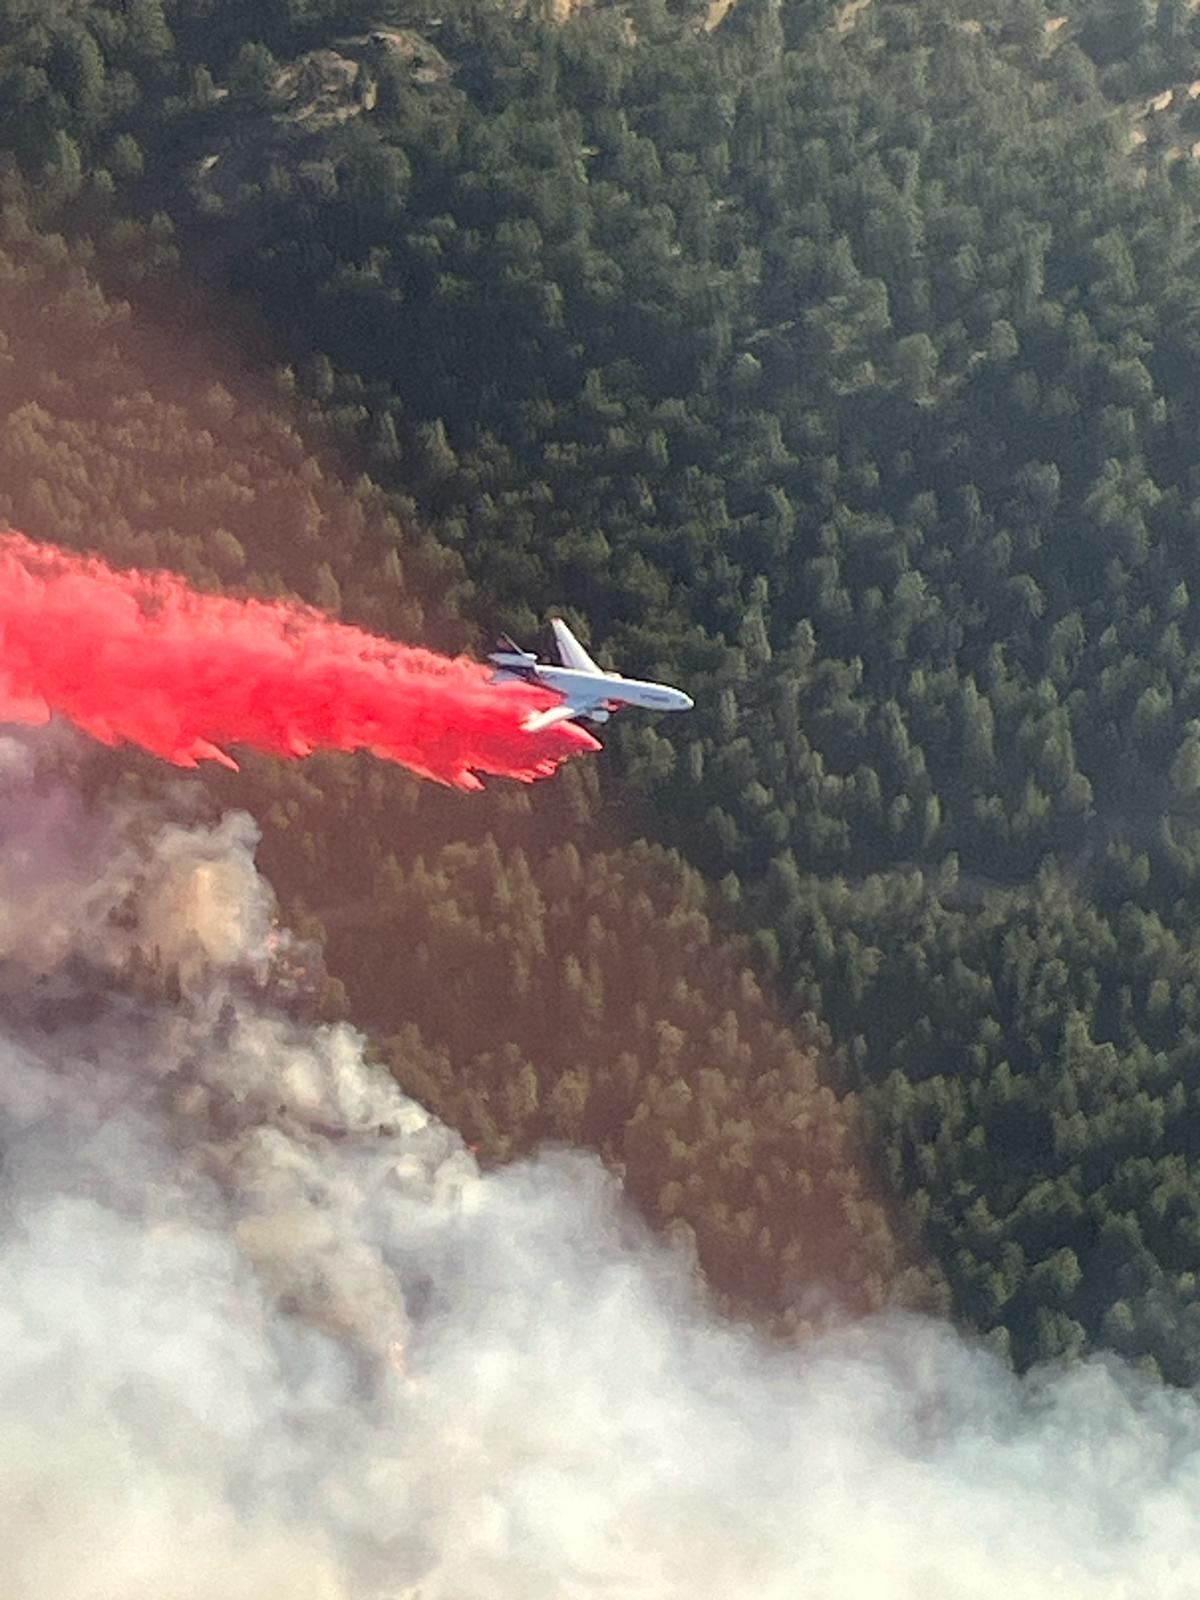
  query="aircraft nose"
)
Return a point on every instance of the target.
[{"x": 685, "y": 701}]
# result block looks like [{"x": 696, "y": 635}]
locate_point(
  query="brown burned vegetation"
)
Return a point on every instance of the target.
[{"x": 846, "y": 375}]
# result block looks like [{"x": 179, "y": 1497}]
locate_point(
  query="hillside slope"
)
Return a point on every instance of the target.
[
  {"x": 524, "y": 988},
  {"x": 848, "y": 375}
]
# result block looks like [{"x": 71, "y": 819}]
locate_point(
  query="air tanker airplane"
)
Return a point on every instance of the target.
[{"x": 587, "y": 690}]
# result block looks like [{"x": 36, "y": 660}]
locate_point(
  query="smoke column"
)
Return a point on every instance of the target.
[
  {"x": 266, "y": 1333},
  {"x": 140, "y": 656}
]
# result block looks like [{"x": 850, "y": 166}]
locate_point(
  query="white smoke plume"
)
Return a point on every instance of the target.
[{"x": 265, "y": 1330}]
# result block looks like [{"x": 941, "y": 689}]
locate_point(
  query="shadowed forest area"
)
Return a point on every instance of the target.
[{"x": 836, "y": 361}]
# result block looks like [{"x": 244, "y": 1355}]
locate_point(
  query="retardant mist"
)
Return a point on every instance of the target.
[
  {"x": 141, "y": 657},
  {"x": 265, "y": 1330}
]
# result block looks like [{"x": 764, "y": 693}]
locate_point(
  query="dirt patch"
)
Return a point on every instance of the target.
[
  {"x": 847, "y": 17},
  {"x": 718, "y": 10}
]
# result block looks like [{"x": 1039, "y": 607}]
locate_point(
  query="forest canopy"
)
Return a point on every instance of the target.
[{"x": 837, "y": 360}]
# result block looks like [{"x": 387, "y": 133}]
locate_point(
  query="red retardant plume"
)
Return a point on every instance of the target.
[{"x": 141, "y": 657}]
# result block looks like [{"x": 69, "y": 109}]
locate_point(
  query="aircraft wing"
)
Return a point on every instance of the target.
[
  {"x": 570, "y": 650},
  {"x": 547, "y": 719}
]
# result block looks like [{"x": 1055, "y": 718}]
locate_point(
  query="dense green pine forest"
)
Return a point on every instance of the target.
[{"x": 838, "y": 361}]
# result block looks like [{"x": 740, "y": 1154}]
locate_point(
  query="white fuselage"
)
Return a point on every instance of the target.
[{"x": 585, "y": 688}]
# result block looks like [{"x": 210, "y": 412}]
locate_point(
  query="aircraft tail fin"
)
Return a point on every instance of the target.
[{"x": 512, "y": 661}]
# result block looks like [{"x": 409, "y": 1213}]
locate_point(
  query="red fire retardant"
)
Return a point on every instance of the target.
[{"x": 143, "y": 658}]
